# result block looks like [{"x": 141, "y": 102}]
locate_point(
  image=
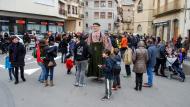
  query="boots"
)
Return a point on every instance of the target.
[
  {"x": 51, "y": 83},
  {"x": 140, "y": 86},
  {"x": 46, "y": 83},
  {"x": 137, "y": 85}
]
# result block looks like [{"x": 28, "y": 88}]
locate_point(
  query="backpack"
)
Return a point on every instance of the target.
[{"x": 127, "y": 58}]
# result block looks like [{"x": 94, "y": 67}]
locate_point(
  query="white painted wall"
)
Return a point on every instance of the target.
[{"x": 40, "y": 7}]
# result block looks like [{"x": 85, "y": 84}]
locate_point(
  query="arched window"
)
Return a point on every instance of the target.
[
  {"x": 140, "y": 6},
  {"x": 139, "y": 28}
]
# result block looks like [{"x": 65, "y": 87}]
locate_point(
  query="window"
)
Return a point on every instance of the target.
[
  {"x": 86, "y": 25},
  {"x": 140, "y": 6},
  {"x": 87, "y": 3},
  {"x": 73, "y": 10},
  {"x": 79, "y": 23},
  {"x": 109, "y": 15},
  {"x": 102, "y": 15},
  {"x": 109, "y": 3},
  {"x": 96, "y": 3},
  {"x": 96, "y": 15},
  {"x": 103, "y": 3},
  {"x": 69, "y": 9},
  {"x": 139, "y": 28},
  {"x": 86, "y": 14},
  {"x": 109, "y": 26}
]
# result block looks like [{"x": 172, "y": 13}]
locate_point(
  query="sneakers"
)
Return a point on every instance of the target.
[
  {"x": 76, "y": 84},
  {"x": 105, "y": 98},
  {"x": 147, "y": 85}
]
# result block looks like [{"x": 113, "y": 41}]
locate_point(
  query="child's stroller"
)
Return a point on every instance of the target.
[{"x": 175, "y": 68}]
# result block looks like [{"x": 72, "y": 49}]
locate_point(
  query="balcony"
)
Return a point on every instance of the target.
[
  {"x": 63, "y": 12},
  {"x": 170, "y": 8}
]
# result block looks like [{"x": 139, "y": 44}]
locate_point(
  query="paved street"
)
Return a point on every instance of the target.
[{"x": 165, "y": 92}]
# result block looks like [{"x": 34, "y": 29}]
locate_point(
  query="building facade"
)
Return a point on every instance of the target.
[
  {"x": 187, "y": 19},
  {"x": 75, "y": 16},
  {"x": 128, "y": 16},
  {"x": 143, "y": 17},
  {"x": 103, "y": 12},
  {"x": 39, "y": 16},
  {"x": 169, "y": 21}
]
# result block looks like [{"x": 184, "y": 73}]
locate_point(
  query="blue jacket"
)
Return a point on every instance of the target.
[
  {"x": 7, "y": 63},
  {"x": 107, "y": 68},
  {"x": 152, "y": 53}
]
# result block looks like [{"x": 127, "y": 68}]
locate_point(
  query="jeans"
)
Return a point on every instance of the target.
[
  {"x": 128, "y": 70},
  {"x": 49, "y": 70},
  {"x": 150, "y": 75},
  {"x": 108, "y": 91},
  {"x": 11, "y": 73},
  {"x": 42, "y": 75},
  {"x": 81, "y": 69}
]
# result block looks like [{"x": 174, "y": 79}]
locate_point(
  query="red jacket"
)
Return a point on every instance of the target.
[
  {"x": 38, "y": 54},
  {"x": 69, "y": 63}
]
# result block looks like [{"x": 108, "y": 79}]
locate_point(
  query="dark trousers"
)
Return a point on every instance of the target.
[
  {"x": 139, "y": 81},
  {"x": 63, "y": 59},
  {"x": 122, "y": 51},
  {"x": 128, "y": 70},
  {"x": 21, "y": 73},
  {"x": 116, "y": 81},
  {"x": 49, "y": 72},
  {"x": 108, "y": 91},
  {"x": 160, "y": 61}
]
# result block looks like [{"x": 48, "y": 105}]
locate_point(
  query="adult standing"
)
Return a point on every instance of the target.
[
  {"x": 63, "y": 48},
  {"x": 124, "y": 45},
  {"x": 49, "y": 61},
  {"x": 152, "y": 53},
  {"x": 186, "y": 45},
  {"x": 81, "y": 55},
  {"x": 140, "y": 58},
  {"x": 26, "y": 40},
  {"x": 17, "y": 54},
  {"x": 161, "y": 58},
  {"x": 96, "y": 42}
]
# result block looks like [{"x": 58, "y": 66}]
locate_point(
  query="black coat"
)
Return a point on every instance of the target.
[
  {"x": 50, "y": 53},
  {"x": 17, "y": 54},
  {"x": 63, "y": 46},
  {"x": 81, "y": 51}
]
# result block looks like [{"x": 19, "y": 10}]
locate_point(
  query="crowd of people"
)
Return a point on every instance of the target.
[{"x": 100, "y": 55}]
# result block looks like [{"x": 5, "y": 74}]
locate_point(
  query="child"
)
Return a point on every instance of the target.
[
  {"x": 107, "y": 69},
  {"x": 69, "y": 64},
  {"x": 116, "y": 69},
  {"x": 9, "y": 67}
]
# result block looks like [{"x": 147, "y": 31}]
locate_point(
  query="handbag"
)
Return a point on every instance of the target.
[{"x": 52, "y": 64}]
